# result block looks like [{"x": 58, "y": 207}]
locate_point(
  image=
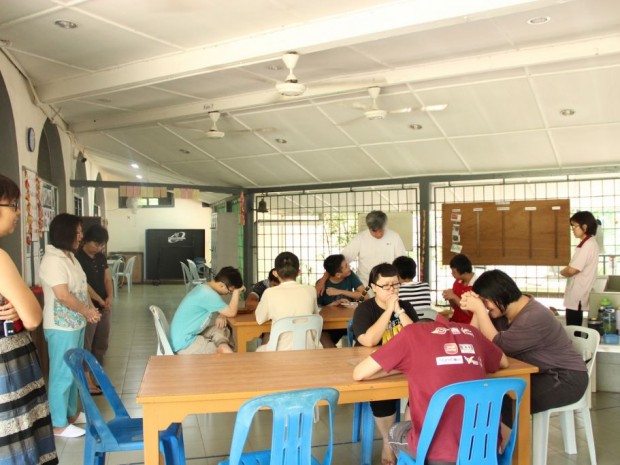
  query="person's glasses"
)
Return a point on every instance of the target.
[
  {"x": 13, "y": 205},
  {"x": 388, "y": 286}
]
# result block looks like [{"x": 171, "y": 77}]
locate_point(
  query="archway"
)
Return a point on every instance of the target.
[
  {"x": 12, "y": 244},
  {"x": 50, "y": 164}
]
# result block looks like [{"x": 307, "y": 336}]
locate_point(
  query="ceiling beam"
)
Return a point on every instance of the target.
[
  {"x": 170, "y": 185},
  {"x": 484, "y": 63},
  {"x": 379, "y": 21}
]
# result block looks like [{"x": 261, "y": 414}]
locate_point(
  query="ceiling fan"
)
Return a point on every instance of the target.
[
  {"x": 213, "y": 132},
  {"x": 291, "y": 87},
  {"x": 373, "y": 112}
]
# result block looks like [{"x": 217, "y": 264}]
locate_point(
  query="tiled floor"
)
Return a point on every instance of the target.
[{"x": 207, "y": 437}]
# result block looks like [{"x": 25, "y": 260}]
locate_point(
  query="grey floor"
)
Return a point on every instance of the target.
[{"x": 207, "y": 437}]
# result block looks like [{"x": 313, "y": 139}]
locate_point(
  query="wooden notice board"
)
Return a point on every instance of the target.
[{"x": 532, "y": 232}]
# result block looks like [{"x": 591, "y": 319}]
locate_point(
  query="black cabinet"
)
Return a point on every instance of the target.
[{"x": 165, "y": 248}]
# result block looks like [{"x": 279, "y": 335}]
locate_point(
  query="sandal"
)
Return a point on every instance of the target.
[{"x": 95, "y": 390}]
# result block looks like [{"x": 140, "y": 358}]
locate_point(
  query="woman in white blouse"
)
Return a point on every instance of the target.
[{"x": 67, "y": 309}]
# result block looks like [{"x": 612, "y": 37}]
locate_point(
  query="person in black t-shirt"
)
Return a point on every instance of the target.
[
  {"x": 375, "y": 322},
  {"x": 95, "y": 265}
]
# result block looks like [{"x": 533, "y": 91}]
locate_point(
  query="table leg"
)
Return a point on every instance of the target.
[
  {"x": 241, "y": 340},
  {"x": 151, "y": 435},
  {"x": 523, "y": 449}
]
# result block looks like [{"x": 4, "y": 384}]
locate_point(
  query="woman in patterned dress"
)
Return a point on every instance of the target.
[{"x": 25, "y": 424}]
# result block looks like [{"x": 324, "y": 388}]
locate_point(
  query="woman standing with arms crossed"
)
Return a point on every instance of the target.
[
  {"x": 67, "y": 310},
  {"x": 581, "y": 271},
  {"x": 26, "y": 428}
]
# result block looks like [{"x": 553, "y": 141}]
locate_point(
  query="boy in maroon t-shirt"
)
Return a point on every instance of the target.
[{"x": 433, "y": 355}]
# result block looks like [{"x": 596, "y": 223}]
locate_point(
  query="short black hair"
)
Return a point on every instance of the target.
[
  {"x": 406, "y": 267},
  {"x": 585, "y": 218},
  {"x": 498, "y": 287},
  {"x": 230, "y": 276},
  {"x": 461, "y": 263},
  {"x": 63, "y": 231},
  {"x": 333, "y": 264},
  {"x": 96, "y": 233},
  {"x": 9, "y": 190},
  {"x": 376, "y": 220},
  {"x": 387, "y": 270},
  {"x": 287, "y": 265},
  {"x": 271, "y": 277}
]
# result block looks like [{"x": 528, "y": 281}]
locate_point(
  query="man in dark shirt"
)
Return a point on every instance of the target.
[{"x": 95, "y": 266}]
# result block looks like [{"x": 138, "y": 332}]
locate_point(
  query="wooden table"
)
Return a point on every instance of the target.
[
  {"x": 176, "y": 386},
  {"x": 245, "y": 328}
]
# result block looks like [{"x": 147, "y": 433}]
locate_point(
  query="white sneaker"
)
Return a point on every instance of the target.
[{"x": 71, "y": 431}]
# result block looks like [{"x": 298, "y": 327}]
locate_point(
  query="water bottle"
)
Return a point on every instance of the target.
[{"x": 609, "y": 321}]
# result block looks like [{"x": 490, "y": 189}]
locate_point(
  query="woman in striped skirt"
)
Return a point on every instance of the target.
[{"x": 25, "y": 425}]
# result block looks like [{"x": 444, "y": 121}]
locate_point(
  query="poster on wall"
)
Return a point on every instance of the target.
[{"x": 39, "y": 201}]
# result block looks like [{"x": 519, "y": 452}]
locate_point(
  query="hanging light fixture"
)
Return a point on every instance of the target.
[{"x": 262, "y": 206}]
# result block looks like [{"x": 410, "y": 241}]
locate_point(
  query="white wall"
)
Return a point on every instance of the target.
[{"x": 127, "y": 228}]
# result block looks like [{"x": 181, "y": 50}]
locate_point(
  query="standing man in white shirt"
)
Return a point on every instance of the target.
[
  {"x": 370, "y": 247},
  {"x": 375, "y": 245}
]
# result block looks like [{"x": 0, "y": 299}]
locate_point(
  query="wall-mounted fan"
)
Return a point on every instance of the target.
[
  {"x": 373, "y": 112},
  {"x": 213, "y": 132}
]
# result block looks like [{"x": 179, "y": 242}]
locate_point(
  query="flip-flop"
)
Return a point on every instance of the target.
[{"x": 95, "y": 391}]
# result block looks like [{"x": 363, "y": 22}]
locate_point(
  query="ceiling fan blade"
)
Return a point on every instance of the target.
[
  {"x": 351, "y": 121},
  {"x": 401, "y": 110},
  {"x": 359, "y": 106},
  {"x": 436, "y": 107},
  {"x": 254, "y": 131}
]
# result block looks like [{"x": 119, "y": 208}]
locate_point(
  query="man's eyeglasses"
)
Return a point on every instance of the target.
[
  {"x": 13, "y": 205},
  {"x": 388, "y": 286}
]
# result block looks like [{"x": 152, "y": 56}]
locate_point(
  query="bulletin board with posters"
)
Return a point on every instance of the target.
[
  {"x": 40, "y": 205},
  {"x": 532, "y": 232}
]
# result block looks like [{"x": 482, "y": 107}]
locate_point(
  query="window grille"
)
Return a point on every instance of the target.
[{"x": 316, "y": 224}]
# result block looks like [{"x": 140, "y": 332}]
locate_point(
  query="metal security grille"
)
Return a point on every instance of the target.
[
  {"x": 316, "y": 224},
  {"x": 600, "y": 196}
]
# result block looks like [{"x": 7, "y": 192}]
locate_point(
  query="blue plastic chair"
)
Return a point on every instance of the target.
[
  {"x": 121, "y": 433},
  {"x": 363, "y": 419},
  {"x": 291, "y": 438},
  {"x": 481, "y": 419}
]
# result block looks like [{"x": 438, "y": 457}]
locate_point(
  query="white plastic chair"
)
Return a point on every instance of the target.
[
  {"x": 126, "y": 273},
  {"x": 187, "y": 277},
  {"x": 585, "y": 341},
  {"x": 163, "y": 331},
  {"x": 299, "y": 326},
  {"x": 113, "y": 271},
  {"x": 194, "y": 271}
]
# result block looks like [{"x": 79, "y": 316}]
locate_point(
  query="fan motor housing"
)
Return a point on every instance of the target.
[
  {"x": 291, "y": 89},
  {"x": 213, "y": 134},
  {"x": 375, "y": 114}
]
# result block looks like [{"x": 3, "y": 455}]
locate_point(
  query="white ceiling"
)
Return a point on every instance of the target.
[{"x": 136, "y": 78}]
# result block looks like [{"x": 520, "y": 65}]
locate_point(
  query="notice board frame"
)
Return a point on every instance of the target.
[{"x": 532, "y": 232}]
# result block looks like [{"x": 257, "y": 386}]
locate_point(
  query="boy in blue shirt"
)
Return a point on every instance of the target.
[{"x": 199, "y": 325}]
